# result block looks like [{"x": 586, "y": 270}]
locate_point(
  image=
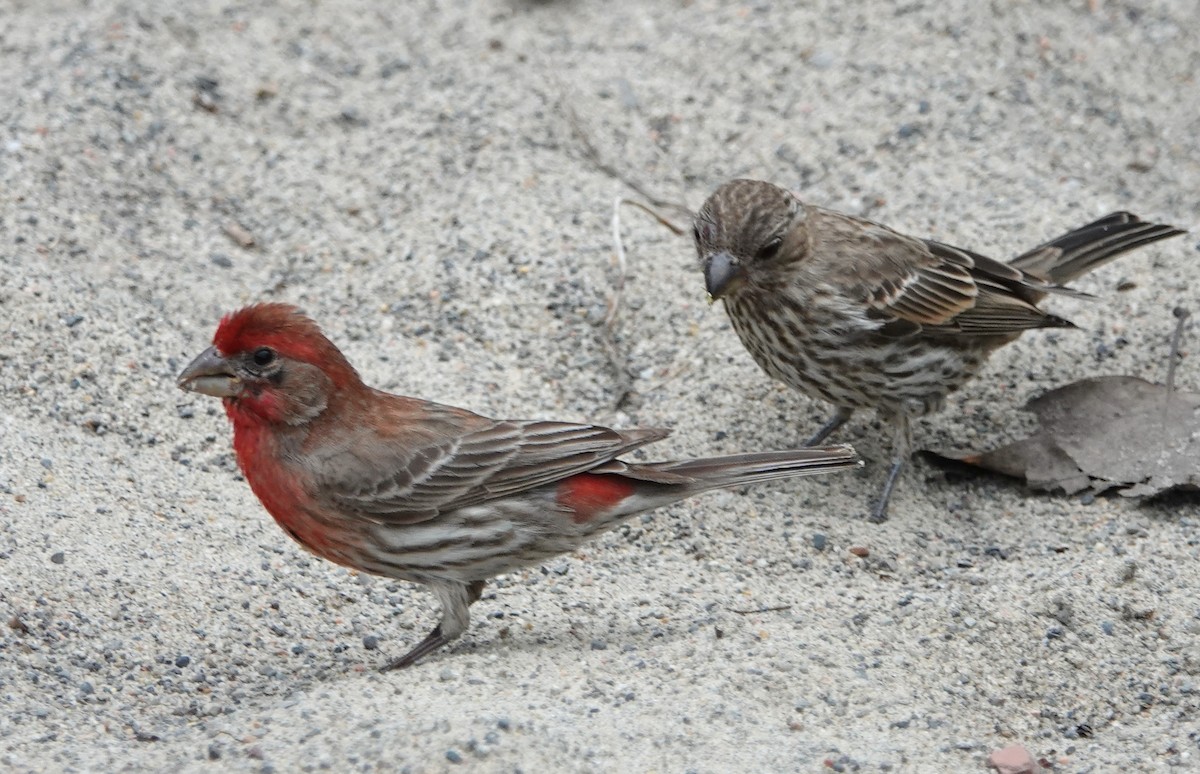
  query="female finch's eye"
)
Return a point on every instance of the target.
[
  {"x": 263, "y": 356},
  {"x": 696, "y": 233},
  {"x": 769, "y": 250}
]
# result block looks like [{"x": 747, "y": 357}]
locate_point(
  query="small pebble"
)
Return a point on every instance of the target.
[
  {"x": 393, "y": 67},
  {"x": 454, "y": 756},
  {"x": 626, "y": 94},
  {"x": 352, "y": 117},
  {"x": 1014, "y": 759},
  {"x": 599, "y": 645},
  {"x": 58, "y": 557},
  {"x": 860, "y": 551},
  {"x": 182, "y": 661},
  {"x": 371, "y": 642},
  {"x": 822, "y": 60},
  {"x": 819, "y": 541}
]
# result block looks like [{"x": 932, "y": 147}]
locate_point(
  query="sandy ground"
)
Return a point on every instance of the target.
[{"x": 411, "y": 177}]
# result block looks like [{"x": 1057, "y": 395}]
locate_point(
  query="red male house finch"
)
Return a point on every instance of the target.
[
  {"x": 863, "y": 317},
  {"x": 427, "y": 493}
]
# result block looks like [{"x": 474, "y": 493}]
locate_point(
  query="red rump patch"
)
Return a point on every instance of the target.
[{"x": 588, "y": 494}]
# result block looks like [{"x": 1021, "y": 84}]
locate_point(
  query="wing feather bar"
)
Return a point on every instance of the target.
[{"x": 935, "y": 294}]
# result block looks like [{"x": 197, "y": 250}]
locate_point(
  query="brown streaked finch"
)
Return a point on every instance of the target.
[
  {"x": 860, "y": 316},
  {"x": 409, "y": 489}
]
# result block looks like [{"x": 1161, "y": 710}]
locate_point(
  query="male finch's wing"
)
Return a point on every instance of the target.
[{"x": 386, "y": 477}]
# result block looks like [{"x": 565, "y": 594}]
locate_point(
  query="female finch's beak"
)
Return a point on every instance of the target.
[
  {"x": 210, "y": 374},
  {"x": 722, "y": 272}
]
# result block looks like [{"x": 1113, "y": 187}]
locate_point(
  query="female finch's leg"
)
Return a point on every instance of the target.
[
  {"x": 456, "y": 598},
  {"x": 901, "y": 449},
  {"x": 879, "y": 513},
  {"x": 840, "y": 417}
]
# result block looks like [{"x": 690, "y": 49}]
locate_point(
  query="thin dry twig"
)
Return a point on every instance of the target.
[
  {"x": 592, "y": 154},
  {"x": 614, "y": 300},
  {"x": 760, "y": 610},
  {"x": 1181, "y": 315},
  {"x": 617, "y": 357},
  {"x": 239, "y": 234}
]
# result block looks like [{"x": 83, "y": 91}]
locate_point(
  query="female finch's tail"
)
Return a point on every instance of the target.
[{"x": 1089, "y": 247}]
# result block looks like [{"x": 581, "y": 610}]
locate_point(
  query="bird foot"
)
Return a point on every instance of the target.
[
  {"x": 879, "y": 513},
  {"x": 428, "y": 645},
  {"x": 841, "y": 417}
]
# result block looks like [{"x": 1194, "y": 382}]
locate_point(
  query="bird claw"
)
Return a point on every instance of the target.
[
  {"x": 840, "y": 417},
  {"x": 879, "y": 513},
  {"x": 428, "y": 645}
]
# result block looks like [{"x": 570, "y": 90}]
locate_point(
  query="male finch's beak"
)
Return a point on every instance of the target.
[
  {"x": 210, "y": 374},
  {"x": 722, "y": 273}
]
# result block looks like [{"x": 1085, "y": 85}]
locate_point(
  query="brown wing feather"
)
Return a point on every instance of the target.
[
  {"x": 919, "y": 286},
  {"x": 897, "y": 276},
  {"x": 466, "y": 461}
]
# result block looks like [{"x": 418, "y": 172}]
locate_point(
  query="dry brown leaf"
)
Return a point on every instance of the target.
[{"x": 1108, "y": 432}]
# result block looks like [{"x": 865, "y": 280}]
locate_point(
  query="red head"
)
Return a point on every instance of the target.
[{"x": 273, "y": 362}]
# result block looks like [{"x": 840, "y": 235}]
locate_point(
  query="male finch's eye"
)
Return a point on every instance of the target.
[
  {"x": 263, "y": 356},
  {"x": 696, "y": 233}
]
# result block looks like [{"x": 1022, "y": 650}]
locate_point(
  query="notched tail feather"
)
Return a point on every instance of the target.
[
  {"x": 734, "y": 470},
  {"x": 1078, "y": 252}
]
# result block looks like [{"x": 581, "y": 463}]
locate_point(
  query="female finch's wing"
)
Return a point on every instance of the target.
[
  {"x": 404, "y": 482},
  {"x": 918, "y": 286},
  {"x": 1006, "y": 300},
  {"x": 896, "y": 277}
]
